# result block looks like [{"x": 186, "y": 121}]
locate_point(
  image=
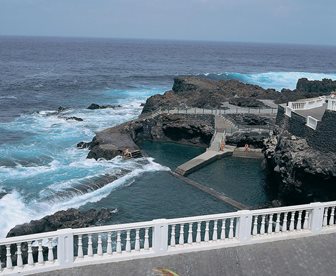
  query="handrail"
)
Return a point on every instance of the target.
[{"x": 163, "y": 236}]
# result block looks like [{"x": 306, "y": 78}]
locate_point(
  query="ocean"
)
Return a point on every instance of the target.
[{"x": 42, "y": 171}]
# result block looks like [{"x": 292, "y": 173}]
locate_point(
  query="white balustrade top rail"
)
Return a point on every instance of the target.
[{"x": 77, "y": 247}]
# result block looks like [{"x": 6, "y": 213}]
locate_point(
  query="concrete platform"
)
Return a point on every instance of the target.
[
  {"x": 252, "y": 153},
  {"x": 309, "y": 256},
  {"x": 202, "y": 160}
]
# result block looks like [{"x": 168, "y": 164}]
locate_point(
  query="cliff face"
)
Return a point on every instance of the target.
[
  {"x": 299, "y": 174},
  {"x": 186, "y": 129}
]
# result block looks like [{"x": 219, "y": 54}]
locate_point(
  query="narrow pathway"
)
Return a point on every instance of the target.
[
  {"x": 213, "y": 152},
  {"x": 222, "y": 197}
]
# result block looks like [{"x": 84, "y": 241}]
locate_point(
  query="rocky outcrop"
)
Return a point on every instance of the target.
[
  {"x": 97, "y": 106},
  {"x": 201, "y": 92},
  {"x": 206, "y": 93},
  {"x": 251, "y": 119},
  {"x": 71, "y": 218},
  {"x": 316, "y": 87},
  {"x": 298, "y": 173},
  {"x": 187, "y": 129},
  {"x": 74, "y": 119},
  {"x": 246, "y": 102},
  {"x": 254, "y": 139}
]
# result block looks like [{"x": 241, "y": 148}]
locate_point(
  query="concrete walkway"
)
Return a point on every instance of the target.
[
  {"x": 296, "y": 257},
  {"x": 222, "y": 197},
  {"x": 203, "y": 159}
]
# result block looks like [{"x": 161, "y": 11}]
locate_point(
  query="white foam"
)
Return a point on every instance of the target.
[
  {"x": 13, "y": 211},
  {"x": 277, "y": 80}
]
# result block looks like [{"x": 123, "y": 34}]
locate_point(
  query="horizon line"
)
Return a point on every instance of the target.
[{"x": 169, "y": 39}]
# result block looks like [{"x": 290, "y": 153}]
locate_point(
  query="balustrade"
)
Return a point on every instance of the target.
[
  {"x": 69, "y": 247},
  {"x": 202, "y": 230}
]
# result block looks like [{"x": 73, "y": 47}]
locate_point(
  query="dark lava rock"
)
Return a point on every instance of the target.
[
  {"x": 246, "y": 102},
  {"x": 61, "y": 109},
  {"x": 253, "y": 139},
  {"x": 84, "y": 145},
  {"x": 201, "y": 92},
  {"x": 74, "y": 118},
  {"x": 189, "y": 91},
  {"x": 187, "y": 129},
  {"x": 299, "y": 173},
  {"x": 252, "y": 119},
  {"x": 313, "y": 86},
  {"x": 97, "y": 106},
  {"x": 71, "y": 218}
]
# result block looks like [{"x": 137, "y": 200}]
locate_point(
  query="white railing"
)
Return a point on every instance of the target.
[
  {"x": 307, "y": 104},
  {"x": 216, "y": 111},
  {"x": 312, "y": 122},
  {"x": 77, "y": 247},
  {"x": 331, "y": 104}
]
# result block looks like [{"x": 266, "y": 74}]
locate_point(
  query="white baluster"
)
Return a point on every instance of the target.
[
  {"x": 109, "y": 244},
  {"x": 291, "y": 224},
  {"x": 262, "y": 227},
  {"x": 284, "y": 223},
  {"x": 231, "y": 229},
  {"x": 19, "y": 255},
  {"x": 50, "y": 250},
  {"x": 306, "y": 220},
  {"x": 40, "y": 253},
  {"x": 30, "y": 254},
  {"x": 172, "y": 236},
  {"x": 223, "y": 229},
  {"x": 9, "y": 264},
  {"x": 332, "y": 216},
  {"x": 255, "y": 226},
  {"x": 299, "y": 221},
  {"x": 100, "y": 245},
  {"x": 90, "y": 248},
  {"x": 181, "y": 238},
  {"x": 270, "y": 224},
  {"x": 128, "y": 241},
  {"x": 118, "y": 249},
  {"x": 215, "y": 234},
  {"x": 198, "y": 234},
  {"x": 146, "y": 244},
  {"x": 190, "y": 238},
  {"x": 206, "y": 234},
  {"x": 277, "y": 224},
  {"x": 80, "y": 246},
  {"x": 325, "y": 216}
]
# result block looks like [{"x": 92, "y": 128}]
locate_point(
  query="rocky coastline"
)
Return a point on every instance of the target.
[{"x": 298, "y": 173}]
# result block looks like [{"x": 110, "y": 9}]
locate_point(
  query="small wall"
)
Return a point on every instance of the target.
[
  {"x": 324, "y": 137},
  {"x": 280, "y": 118},
  {"x": 297, "y": 125}
]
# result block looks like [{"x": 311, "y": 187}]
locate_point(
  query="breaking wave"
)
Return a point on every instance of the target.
[{"x": 276, "y": 80}]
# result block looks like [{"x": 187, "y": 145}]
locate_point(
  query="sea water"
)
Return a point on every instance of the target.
[{"x": 42, "y": 171}]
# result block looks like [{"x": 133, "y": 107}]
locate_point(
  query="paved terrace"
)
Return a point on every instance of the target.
[{"x": 303, "y": 256}]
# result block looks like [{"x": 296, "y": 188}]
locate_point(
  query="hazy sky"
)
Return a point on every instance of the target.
[{"x": 286, "y": 21}]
